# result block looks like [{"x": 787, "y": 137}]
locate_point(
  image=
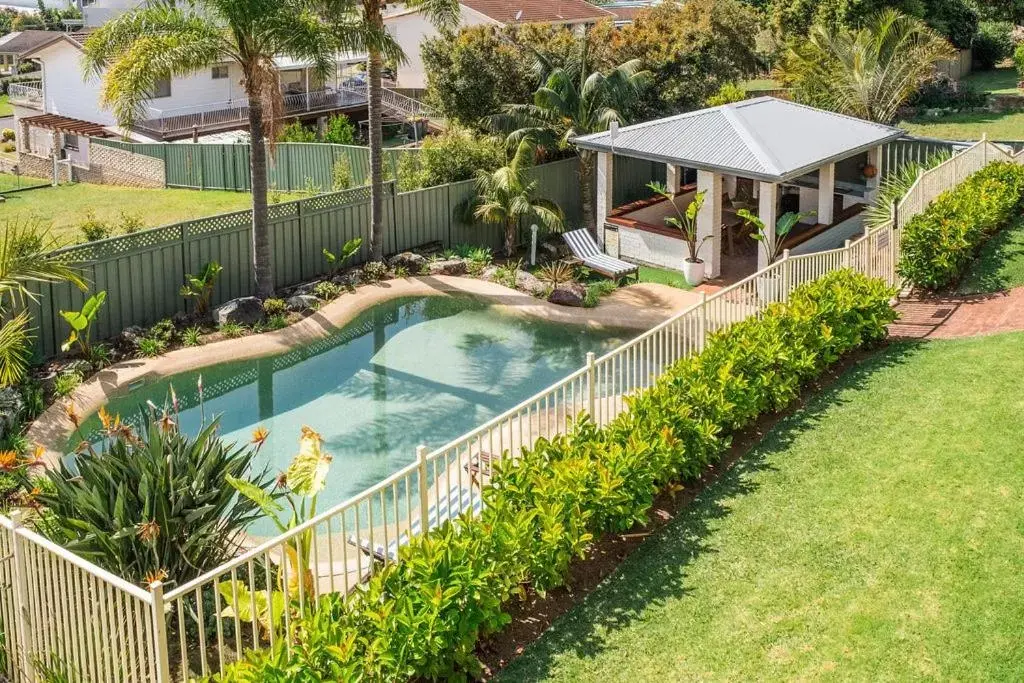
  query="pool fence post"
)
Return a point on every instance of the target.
[
  {"x": 160, "y": 651},
  {"x": 702, "y": 332},
  {"x": 591, "y": 393},
  {"x": 421, "y": 464},
  {"x": 787, "y": 274},
  {"x": 19, "y": 577}
]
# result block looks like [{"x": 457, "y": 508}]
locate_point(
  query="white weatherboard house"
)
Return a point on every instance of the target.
[
  {"x": 411, "y": 28},
  {"x": 764, "y": 154}
]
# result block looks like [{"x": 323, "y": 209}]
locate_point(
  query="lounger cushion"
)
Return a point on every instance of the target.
[{"x": 583, "y": 247}]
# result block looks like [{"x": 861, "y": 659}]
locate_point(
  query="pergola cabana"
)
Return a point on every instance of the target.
[{"x": 825, "y": 162}]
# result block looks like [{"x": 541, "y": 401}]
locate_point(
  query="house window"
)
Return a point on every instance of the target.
[
  {"x": 162, "y": 88},
  {"x": 70, "y": 141},
  {"x": 220, "y": 71}
]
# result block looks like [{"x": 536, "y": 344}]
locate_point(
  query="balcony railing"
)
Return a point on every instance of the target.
[
  {"x": 27, "y": 94},
  {"x": 224, "y": 115}
]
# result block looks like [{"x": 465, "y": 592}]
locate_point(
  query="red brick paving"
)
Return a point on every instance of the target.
[{"x": 944, "y": 317}]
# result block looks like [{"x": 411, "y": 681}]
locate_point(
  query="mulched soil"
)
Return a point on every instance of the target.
[{"x": 533, "y": 616}]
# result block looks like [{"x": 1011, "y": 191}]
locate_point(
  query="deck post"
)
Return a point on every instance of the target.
[
  {"x": 605, "y": 192},
  {"x": 768, "y": 212},
  {"x": 709, "y": 221},
  {"x": 421, "y": 466},
  {"x": 826, "y": 192},
  {"x": 591, "y": 389}
]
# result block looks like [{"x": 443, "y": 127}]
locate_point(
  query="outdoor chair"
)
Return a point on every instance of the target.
[
  {"x": 460, "y": 499},
  {"x": 583, "y": 247}
]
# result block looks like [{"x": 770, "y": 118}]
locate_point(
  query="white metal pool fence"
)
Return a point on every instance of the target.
[{"x": 56, "y": 607}]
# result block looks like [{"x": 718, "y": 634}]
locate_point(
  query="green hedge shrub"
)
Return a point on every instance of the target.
[
  {"x": 939, "y": 243},
  {"x": 422, "y": 618}
]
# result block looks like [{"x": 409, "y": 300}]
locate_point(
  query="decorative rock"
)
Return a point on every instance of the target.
[
  {"x": 12, "y": 406},
  {"x": 302, "y": 302},
  {"x": 81, "y": 366},
  {"x": 528, "y": 282},
  {"x": 408, "y": 260},
  {"x": 247, "y": 310},
  {"x": 488, "y": 273},
  {"x": 450, "y": 267},
  {"x": 130, "y": 337},
  {"x": 570, "y": 294}
]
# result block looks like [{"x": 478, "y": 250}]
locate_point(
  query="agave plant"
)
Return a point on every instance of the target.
[
  {"x": 556, "y": 273},
  {"x": 153, "y": 504}
]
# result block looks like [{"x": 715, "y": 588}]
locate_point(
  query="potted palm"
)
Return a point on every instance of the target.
[
  {"x": 686, "y": 223},
  {"x": 768, "y": 284}
]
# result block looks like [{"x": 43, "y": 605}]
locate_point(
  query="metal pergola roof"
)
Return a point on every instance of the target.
[{"x": 764, "y": 138}]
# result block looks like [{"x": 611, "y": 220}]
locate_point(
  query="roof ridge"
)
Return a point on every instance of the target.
[
  {"x": 753, "y": 142},
  {"x": 837, "y": 114}
]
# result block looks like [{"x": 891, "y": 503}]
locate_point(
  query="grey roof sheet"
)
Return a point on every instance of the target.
[{"x": 763, "y": 138}]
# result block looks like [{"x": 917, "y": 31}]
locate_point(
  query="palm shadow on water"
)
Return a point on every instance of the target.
[{"x": 656, "y": 573}]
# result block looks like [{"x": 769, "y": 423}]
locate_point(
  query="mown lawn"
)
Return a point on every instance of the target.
[
  {"x": 968, "y": 126},
  {"x": 6, "y": 108},
  {"x": 662, "y": 276},
  {"x": 876, "y": 534},
  {"x": 66, "y": 207},
  {"x": 1001, "y": 81},
  {"x": 1000, "y": 263}
]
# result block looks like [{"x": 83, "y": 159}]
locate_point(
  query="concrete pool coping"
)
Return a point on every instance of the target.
[{"x": 636, "y": 307}]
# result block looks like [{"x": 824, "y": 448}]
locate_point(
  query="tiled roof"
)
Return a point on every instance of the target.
[
  {"x": 538, "y": 11},
  {"x": 762, "y": 138},
  {"x": 22, "y": 42}
]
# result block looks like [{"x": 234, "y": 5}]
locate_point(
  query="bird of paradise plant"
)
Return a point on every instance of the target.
[{"x": 300, "y": 486}]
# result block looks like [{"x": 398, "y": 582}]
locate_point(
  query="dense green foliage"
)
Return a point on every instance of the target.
[
  {"x": 155, "y": 504},
  {"x": 454, "y": 155},
  {"x": 939, "y": 243},
  {"x": 992, "y": 44},
  {"x": 423, "y": 617}
]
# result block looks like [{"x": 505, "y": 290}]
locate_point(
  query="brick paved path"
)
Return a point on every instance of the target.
[{"x": 943, "y": 317}]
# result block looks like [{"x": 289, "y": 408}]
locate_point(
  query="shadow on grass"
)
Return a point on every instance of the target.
[
  {"x": 1000, "y": 263},
  {"x": 656, "y": 573}
]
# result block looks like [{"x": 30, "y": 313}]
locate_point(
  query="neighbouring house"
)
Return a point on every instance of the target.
[
  {"x": 16, "y": 44},
  {"x": 410, "y": 26},
  {"x": 767, "y": 155}
]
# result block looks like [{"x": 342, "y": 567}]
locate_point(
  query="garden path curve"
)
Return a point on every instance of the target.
[{"x": 951, "y": 316}]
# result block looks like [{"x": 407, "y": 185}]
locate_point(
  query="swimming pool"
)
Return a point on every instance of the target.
[{"x": 411, "y": 371}]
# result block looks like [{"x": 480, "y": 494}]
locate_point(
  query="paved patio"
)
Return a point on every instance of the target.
[{"x": 950, "y": 316}]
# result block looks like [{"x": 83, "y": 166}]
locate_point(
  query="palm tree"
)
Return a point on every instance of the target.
[
  {"x": 440, "y": 13},
  {"x": 135, "y": 51},
  {"x": 507, "y": 195},
  {"x": 573, "y": 101},
  {"x": 867, "y": 72},
  {"x": 24, "y": 259}
]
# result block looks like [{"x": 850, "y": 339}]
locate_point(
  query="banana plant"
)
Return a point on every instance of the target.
[
  {"x": 773, "y": 247},
  {"x": 200, "y": 287},
  {"x": 303, "y": 481},
  {"x": 348, "y": 250},
  {"x": 685, "y": 221},
  {"x": 81, "y": 324}
]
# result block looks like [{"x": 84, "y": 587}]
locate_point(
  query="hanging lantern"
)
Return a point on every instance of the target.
[{"x": 869, "y": 171}]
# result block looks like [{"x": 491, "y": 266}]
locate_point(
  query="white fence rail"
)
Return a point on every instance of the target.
[
  {"x": 26, "y": 94},
  {"x": 55, "y": 604}
]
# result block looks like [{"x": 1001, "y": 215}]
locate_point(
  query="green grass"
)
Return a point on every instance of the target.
[
  {"x": 1001, "y": 81},
  {"x": 6, "y": 108},
  {"x": 1000, "y": 263},
  {"x": 9, "y": 181},
  {"x": 969, "y": 126},
  {"x": 663, "y": 276},
  {"x": 65, "y": 207},
  {"x": 876, "y": 534},
  {"x": 760, "y": 84}
]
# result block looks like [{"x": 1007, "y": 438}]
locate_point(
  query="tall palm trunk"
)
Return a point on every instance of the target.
[
  {"x": 374, "y": 67},
  {"x": 263, "y": 264},
  {"x": 510, "y": 236},
  {"x": 586, "y": 171}
]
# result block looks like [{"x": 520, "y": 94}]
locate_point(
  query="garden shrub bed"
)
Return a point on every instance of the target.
[
  {"x": 938, "y": 244},
  {"x": 424, "y": 617}
]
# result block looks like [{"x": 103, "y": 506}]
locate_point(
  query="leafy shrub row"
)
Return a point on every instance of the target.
[
  {"x": 940, "y": 242},
  {"x": 423, "y": 617}
]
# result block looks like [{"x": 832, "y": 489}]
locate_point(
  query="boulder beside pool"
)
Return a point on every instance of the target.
[{"x": 247, "y": 310}]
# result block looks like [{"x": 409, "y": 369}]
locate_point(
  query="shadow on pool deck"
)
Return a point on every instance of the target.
[{"x": 656, "y": 572}]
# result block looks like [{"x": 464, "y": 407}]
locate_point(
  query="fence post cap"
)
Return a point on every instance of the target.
[
  {"x": 785, "y": 253},
  {"x": 421, "y": 453}
]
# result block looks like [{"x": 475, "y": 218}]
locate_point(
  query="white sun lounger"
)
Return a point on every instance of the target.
[
  {"x": 459, "y": 500},
  {"x": 583, "y": 247}
]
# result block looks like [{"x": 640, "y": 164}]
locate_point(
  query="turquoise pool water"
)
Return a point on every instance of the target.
[{"x": 411, "y": 371}]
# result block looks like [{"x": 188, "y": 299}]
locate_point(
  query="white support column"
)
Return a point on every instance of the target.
[
  {"x": 729, "y": 181},
  {"x": 605, "y": 185},
  {"x": 673, "y": 178},
  {"x": 808, "y": 201},
  {"x": 768, "y": 212},
  {"x": 709, "y": 223},
  {"x": 874, "y": 159},
  {"x": 826, "y": 193}
]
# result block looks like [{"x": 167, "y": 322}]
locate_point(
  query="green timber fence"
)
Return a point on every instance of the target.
[
  {"x": 294, "y": 166},
  {"x": 143, "y": 272}
]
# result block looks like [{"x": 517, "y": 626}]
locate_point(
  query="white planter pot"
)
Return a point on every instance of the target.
[
  {"x": 769, "y": 288},
  {"x": 693, "y": 272}
]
